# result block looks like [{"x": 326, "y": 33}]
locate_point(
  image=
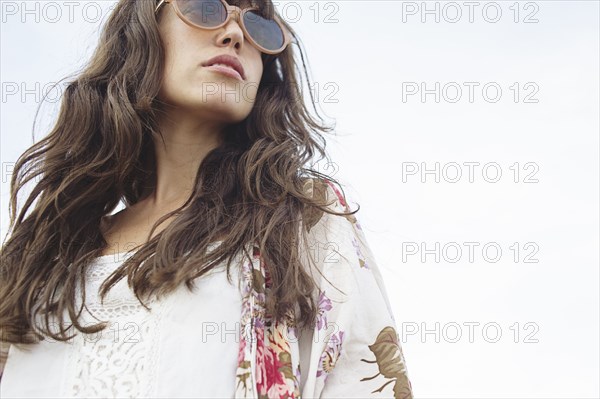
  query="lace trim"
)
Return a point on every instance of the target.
[{"x": 121, "y": 360}]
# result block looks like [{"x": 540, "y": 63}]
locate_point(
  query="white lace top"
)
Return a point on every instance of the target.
[{"x": 169, "y": 352}]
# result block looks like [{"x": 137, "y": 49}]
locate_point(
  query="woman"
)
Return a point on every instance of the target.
[{"x": 188, "y": 112}]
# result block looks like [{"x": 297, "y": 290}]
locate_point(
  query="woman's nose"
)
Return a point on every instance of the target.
[{"x": 233, "y": 32}]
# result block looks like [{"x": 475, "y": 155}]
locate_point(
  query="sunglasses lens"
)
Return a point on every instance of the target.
[
  {"x": 206, "y": 13},
  {"x": 265, "y": 32},
  {"x": 211, "y": 13}
]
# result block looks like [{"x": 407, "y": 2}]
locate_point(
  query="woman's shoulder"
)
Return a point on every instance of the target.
[
  {"x": 332, "y": 236},
  {"x": 333, "y": 197},
  {"x": 323, "y": 189}
]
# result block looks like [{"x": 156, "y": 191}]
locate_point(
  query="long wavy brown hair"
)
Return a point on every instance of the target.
[{"x": 252, "y": 188}]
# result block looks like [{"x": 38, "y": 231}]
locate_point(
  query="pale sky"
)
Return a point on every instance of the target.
[{"x": 518, "y": 106}]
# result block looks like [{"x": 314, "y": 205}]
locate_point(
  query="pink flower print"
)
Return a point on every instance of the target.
[
  {"x": 331, "y": 354},
  {"x": 241, "y": 351},
  {"x": 268, "y": 376},
  {"x": 337, "y": 193},
  {"x": 274, "y": 365},
  {"x": 324, "y": 306}
]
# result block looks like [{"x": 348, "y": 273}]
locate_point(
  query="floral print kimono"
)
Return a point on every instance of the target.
[{"x": 354, "y": 349}]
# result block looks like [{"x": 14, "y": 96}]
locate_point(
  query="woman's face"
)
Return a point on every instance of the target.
[{"x": 204, "y": 92}]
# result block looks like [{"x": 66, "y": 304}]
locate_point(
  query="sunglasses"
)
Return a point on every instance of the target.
[{"x": 267, "y": 35}]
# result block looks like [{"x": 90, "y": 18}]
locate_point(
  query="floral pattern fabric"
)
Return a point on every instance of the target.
[{"x": 354, "y": 348}]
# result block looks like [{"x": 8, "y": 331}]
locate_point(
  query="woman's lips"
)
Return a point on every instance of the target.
[{"x": 225, "y": 70}]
